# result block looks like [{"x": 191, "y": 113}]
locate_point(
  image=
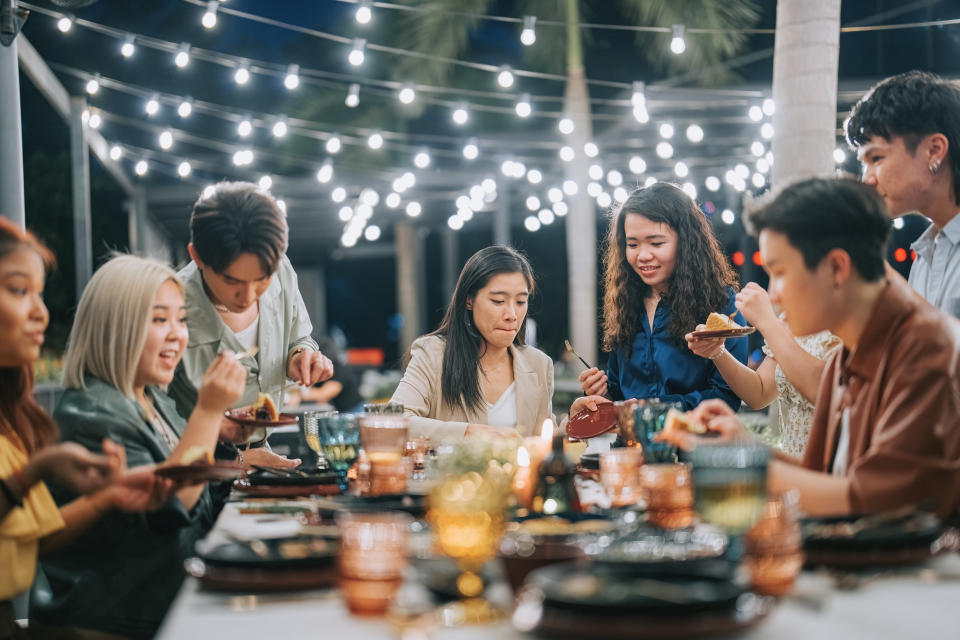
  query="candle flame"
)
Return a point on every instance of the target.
[
  {"x": 546, "y": 433},
  {"x": 523, "y": 457}
]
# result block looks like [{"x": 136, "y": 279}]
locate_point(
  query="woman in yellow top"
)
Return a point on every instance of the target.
[{"x": 30, "y": 522}]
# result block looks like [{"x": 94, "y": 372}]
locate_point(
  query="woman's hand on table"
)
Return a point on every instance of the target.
[
  {"x": 586, "y": 402},
  {"x": 593, "y": 382},
  {"x": 262, "y": 457},
  {"x": 223, "y": 383},
  {"x": 309, "y": 367},
  {"x": 485, "y": 430},
  {"x": 709, "y": 348}
]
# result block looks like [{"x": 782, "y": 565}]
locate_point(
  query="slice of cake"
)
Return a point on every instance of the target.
[
  {"x": 265, "y": 409},
  {"x": 196, "y": 455},
  {"x": 720, "y": 322}
]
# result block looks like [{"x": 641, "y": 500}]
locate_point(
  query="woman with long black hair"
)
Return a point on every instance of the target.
[
  {"x": 665, "y": 273},
  {"x": 474, "y": 373}
]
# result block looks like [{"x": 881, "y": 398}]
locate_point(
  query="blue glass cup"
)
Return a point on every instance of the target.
[
  {"x": 649, "y": 418},
  {"x": 339, "y": 437}
]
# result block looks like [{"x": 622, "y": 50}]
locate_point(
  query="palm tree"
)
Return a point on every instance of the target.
[{"x": 443, "y": 28}]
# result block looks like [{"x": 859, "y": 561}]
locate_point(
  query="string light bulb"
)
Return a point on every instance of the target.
[
  {"x": 182, "y": 57},
  {"x": 728, "y": 216},
  {"x": 638, "y": 99},
  {"x": 460, "y": 114},
  {"x": 695, "y": 133},
  {"x": 292, "y": 80},
  {"x": 664, "y": 150},
  {"x": 637, "y": 165},
  {"x": 534, "y": 176},
  {"x": 116, "y": 152},
  {"x": 338, "y": 195},
  {"x": 566, "y": 153},
  {"x": 681, "y": 169},
  {"x": 128, "y": 48},
  {"x": 94, "y": 120},
  {"x": 839, "y": 155},
  {"x": 529, "y": 35},
  {"x": 209, "y": 19},
  {"x": 184, "y": 169},
  {"x": 677, "y": 44},
  {"x": 363, "y": 14},
  {"x": 755, "y": 113},
  {"x": 565, "y": 125},
  {"x": 471, "y": 150},
  {"x": 353, "y": 96},
  {"x": 244, "y": 128},
  {"x": 375, "y": 141},
  {"x": 265, "y": 182},
  {"x": 357, "y": 56},
  {"x": 166, "y": 139},
  {"x": 666, "y": 130},
  {"x": 406, "y": 95},
  {"x": 65, "y": 23},
  {"x": 185, "y": 108},
  {"x": 712, "y": 183},
  {"x": 325, "y": 172},
  {"x": 523, "y": 107},
  {"x": 413, "y": 209},
  {"x": 141, "y": 168},
  {"x": 93, "y": 85},
  {"x": 756, "y": 148},
  {"x": 769, "y": 107},
  {"x": 242, "y": 75},
  {"x": 591, "y": 149},
  {"x": 421, "y": 160},
  {"x": 152, "y": 106},
  {"x": 505, "y": 77},
  {"x": 280, "y": 127},
  {"x": 333, "y": 144}
]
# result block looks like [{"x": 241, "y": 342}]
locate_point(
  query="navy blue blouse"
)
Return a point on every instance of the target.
[{"x": 657, "y": 367}]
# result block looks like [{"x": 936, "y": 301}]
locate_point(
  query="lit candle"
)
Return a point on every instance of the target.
[{"x": 524, "y": 478}]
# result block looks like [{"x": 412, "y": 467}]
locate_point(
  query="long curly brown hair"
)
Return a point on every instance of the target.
[
  {"x": 19, "y": 412},
  {"x": 701, "y": 279}
]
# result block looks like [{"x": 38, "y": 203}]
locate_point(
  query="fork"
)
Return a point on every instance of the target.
[
  {"x": 249, "y": 353},
  {"x": 574, "y": 352}
]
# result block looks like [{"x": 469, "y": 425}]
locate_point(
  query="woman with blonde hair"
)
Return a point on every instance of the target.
[{"x": 127, "y": 339}]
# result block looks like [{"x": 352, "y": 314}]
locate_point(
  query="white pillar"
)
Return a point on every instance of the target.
[{"x": 11, "y": 150}]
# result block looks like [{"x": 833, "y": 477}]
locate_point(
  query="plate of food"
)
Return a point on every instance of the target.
[
  {"x": 262, "y": 413},
  {"x": 295, "y": 552},
  {"x": 590, "y": 424},
  {"x": 196, "y": 466},
  {"x": 720, "y": 326}
]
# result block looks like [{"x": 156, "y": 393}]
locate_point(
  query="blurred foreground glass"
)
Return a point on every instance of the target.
[
  {"x": 467, "y": 519},
  {"x": 730, "y": 484},
  {"x": 383, "y": 408},
  {"x": 384, "y": 438},
  {"x": 339, "y": 437},
  {"x": 416, "y": 451},
  {"x": 649, "y": 418},
  {"x": 668, "y": 492},
  {"x": 626, "y": 425},
  {"x": 373, "y": 556},
  {"x": 619, "y": 475},
  {"x": 773, "y": 548},
  {"x": 311, "y": 435}
]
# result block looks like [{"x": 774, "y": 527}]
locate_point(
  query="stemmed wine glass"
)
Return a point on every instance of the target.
[
  {"x": 312, "y": 437},
  {"x": 339, "y": 437},
  {"x": 730, "y": 487}
]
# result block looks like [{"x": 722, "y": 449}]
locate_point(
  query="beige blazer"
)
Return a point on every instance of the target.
[{"x": 419, "y": 391}]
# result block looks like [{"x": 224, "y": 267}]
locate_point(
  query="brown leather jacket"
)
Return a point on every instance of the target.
[{"x": 902, "y": 386}]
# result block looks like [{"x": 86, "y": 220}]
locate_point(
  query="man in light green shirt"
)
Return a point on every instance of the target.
[{"x": 241, "y": 292}]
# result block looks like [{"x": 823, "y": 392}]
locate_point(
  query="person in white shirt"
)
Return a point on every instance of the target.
[{"x": 906, "y": 131}]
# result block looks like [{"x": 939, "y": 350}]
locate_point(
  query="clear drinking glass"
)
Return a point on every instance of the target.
[
  {"x": 373, "y": 556},
  {"x": 619, "y": 477},
  {"x": 311, "y": 436},
  {"x": 649, "y": 418},
  {"x": 384, "y": 437},
  {"x": 339, "y": 437}
]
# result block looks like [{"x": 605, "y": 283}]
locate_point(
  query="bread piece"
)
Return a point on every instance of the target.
[
  {"x": 196, "y": 455},
  {"x": 679, "y": 421},
  {"x": 720, "y": 322}
]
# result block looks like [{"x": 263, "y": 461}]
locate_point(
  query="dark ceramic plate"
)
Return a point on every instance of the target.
[
  {"x": 913, "y": 530},
  {"x": 299, "y": 552},
  {"x": 199, "y": 473},
  {"x": 271, "y": 478},
  {"x": 245, "y": 580},
  {"x": 284, "y": 490},
  {"x": 724, "y": 333},
  {"x": 589, "y": 424},
  {"x": 240, "y": 417},
  {"x": 413, "y": 504},
  {"x": 600, "y": 589}
]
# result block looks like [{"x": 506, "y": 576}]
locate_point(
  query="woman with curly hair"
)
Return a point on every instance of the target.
[{"x": 665, "y": 273}]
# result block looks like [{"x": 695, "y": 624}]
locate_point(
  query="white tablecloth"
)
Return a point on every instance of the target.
[{"x": 911, "y": 603}]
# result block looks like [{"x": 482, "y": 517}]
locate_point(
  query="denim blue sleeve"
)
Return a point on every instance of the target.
[
  {"x": 614, "y": 392},
  {"x": 716, "y": 386}
]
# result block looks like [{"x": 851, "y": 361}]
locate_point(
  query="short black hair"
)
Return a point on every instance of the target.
[
  {"x": 821, "y": 214},
  {"x": 236, "y": 218},
  {"x": 912, "y": 105}
]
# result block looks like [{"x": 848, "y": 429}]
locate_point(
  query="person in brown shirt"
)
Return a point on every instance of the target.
[{"x": 886, "y": 431}]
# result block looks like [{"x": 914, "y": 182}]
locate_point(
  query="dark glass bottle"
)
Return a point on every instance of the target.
[{"x": 556, "y": 491}]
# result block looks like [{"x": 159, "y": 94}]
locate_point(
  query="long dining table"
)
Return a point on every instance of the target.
[{"x": 911, "y": 602}]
